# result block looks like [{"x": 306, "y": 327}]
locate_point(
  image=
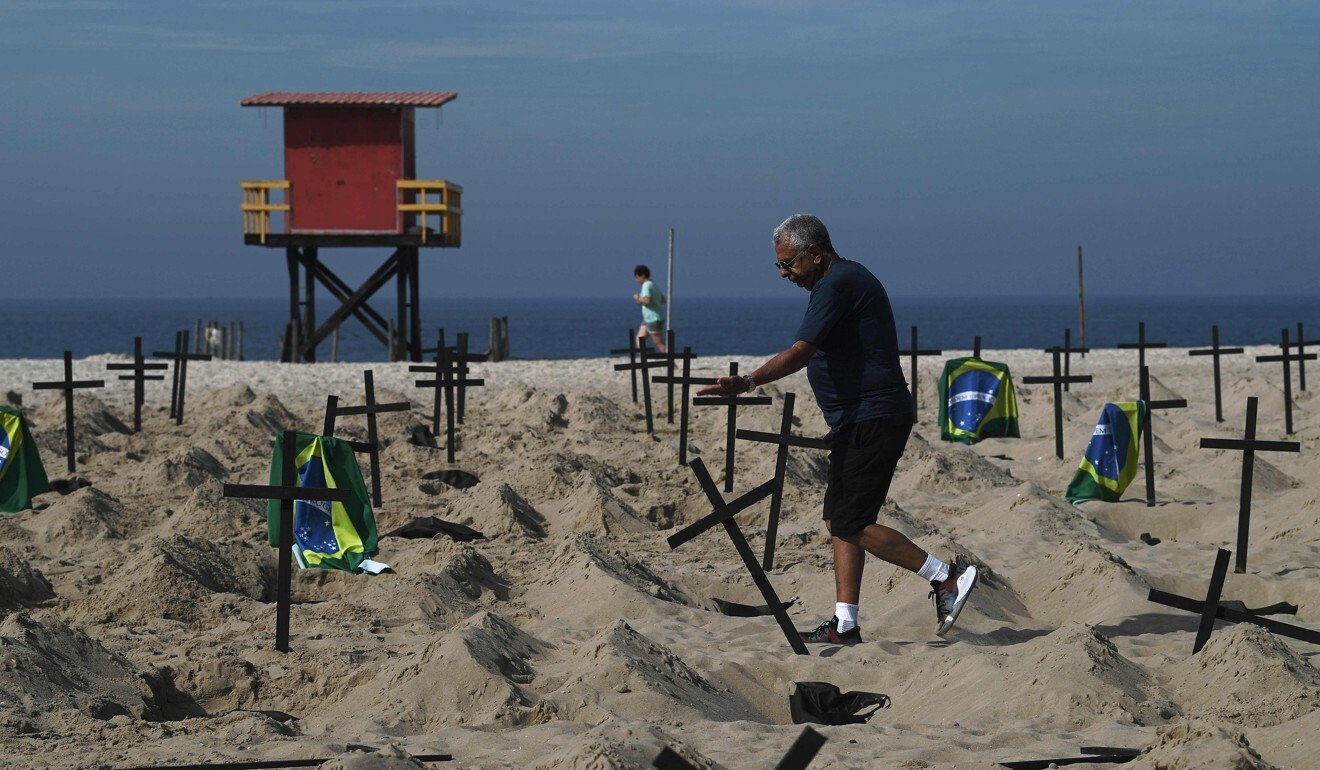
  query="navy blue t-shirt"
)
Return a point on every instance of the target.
[{"x": 855, "y": 372}]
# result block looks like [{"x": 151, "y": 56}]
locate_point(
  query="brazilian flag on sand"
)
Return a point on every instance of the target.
[
  {"x": 21, "y": 472},
  {"x": 1110, "y": 462},
  {"x": 977, "y": 401},
  {"x": 327, "y": 535}
]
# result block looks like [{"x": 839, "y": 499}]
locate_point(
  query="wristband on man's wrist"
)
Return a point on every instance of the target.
[{"x": 751, "y": 383}]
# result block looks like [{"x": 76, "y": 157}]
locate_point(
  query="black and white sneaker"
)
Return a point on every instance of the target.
[
  {"x": 950, "y": 595},
  {"x": 828, "y": 633}
]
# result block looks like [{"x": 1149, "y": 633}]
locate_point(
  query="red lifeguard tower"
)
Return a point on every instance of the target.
[{"x": 350, "y": 181}]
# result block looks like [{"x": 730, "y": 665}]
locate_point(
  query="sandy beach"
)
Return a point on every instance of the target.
[{"x": 137, "y": 614}]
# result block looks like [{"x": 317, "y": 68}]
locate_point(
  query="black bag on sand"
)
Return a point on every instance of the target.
[
  {"x": 822, "y": 703},
  {"x": 430, "y": 526},
  {"x": 737, "y": 610}
]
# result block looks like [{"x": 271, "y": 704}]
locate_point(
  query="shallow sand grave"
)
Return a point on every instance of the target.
[{"x": 137, "y": 621}]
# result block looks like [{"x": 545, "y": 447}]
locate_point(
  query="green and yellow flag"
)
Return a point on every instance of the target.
[
  {"x": 1110, "y": 462},
  {"x": 977, "y": 401},
  {"x": 327, "y": 535},
  {"x": 22, "y": 476}
]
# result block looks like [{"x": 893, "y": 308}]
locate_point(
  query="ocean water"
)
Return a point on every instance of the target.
[{"x": 576, "y": 328}]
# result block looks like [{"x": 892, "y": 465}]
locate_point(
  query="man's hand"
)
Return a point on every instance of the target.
[{"x": 727, "y": 386}]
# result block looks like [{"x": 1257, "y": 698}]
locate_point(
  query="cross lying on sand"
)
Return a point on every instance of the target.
[
  {"x": 732, "y": 402},
  {"x": 68, "y": 385},
  {"x": 799, "y": 755},
  {"x": 1058, "y": 380},
  {"x": 1149, "y": 433},
  {"x": 914, "y": 352},
  {"x": 784, "y": 439},
  {"x": 1248, "y": 446},
  {"x": 686, "y": 381},
  {"x": 287, "y": 492},
  {"x": 723, "y": 513},
  {"x": 1212, "y": 609},
  {"x": 1095, "y": 755},
  {"x": 278, "y": 764},
  {"x": 1287, "y": 358},
  {"x": 1216, "y": 351},
  {"x": 370, "y": 409},
  {"x": 180, "y": 357},
  {"x": 139, "y": 367}
]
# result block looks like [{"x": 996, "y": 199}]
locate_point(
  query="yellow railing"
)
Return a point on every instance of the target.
[
  {"x": 257, "y": 206},
  {"x": 449, "y": 207}
]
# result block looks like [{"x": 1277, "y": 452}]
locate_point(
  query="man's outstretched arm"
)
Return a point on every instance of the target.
[{"x": 777, "y": 368}]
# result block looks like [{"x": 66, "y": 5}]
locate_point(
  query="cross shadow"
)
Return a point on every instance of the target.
[
  {"x": 1006, "y": 636},
  {"x": 1150, "y": 623}
]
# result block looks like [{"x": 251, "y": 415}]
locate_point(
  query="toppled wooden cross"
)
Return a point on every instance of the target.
[
  {"x": 1057, "y": 380},
  {"x": 68, "y": 385},
  {"x": 287, "y": 492},
  {"x": 1094, "y": 755},
  {"x": 723, "y": 513},
  {"x": 1248, "y": 446},
  {"x": 1215, "y": 351},
  {"x": 732, "y": 402},
  {"x": 799, "y": 755},
  {"x": 783, "y": 439},
  {"x": 1148, "y": 435},
  {"x": 1212, "y": 609},
  {"x": 686, "y": 381},
  {"x": 914, "y": 352},
  {"x": 180, "y": 357},
  {"x": 1287, "y": 358},
  {"x": 370, "y": 408},
  {"x": 139, "y": 377}
]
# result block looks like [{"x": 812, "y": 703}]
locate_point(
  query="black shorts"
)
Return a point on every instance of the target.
[{"x": 862, "y": 462}]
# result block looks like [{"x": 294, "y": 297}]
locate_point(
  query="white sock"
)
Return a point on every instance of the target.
[
  {"x": 847, "y": 615},
  {"x": 934, "y": 569}
]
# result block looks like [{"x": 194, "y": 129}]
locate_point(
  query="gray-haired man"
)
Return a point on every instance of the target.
[{"x": 848, "y": 344}]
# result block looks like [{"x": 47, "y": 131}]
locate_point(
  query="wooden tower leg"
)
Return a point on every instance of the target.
[
  {"x": 309, "y": 283},
  {"x": 401, "y": 326},
  {"x": 415, "y": 329},
  {"x": 293, "y": 345}
]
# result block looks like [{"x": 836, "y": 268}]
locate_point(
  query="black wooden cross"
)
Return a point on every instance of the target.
[
  {"x": 631, "y": 350},
  {"x": 280, "y": 764},
  {"x": 1148, "y": 437},
  {"x": 68, "y": 385},
  {"x": 139, "y": 378},
  {"x": 1211, "y": 609},
  {"x": 669, "y": 356},
  {"x": 287, "y": 492},
  {"x": 1301, "y": 345},
  {"x": 1094, "y": 755},
  {"x": 914, "y": 352},
  {"x": 784, "y": 439},
  {"x": 1287, "y": 359},
  {"x": 976, "y": 346},
  {"x": 1141, "y": 345},
  {"x": 447, "y": 378},
  {"x": 180, "y": 357},
  {"x": 1248, "y": 446},
  {"x": 643, "y": 363},
  {"x": 686, "y": 381},
  {"x": 732, "y": 402},
  {"x": 1068, "y": 350},
  {"x": 799, "y": 755},
  {"x": 723, "y": 513},
  {"x": 370, "y": 408},
  {"x": 1216, "y": 351},
  {"x": 1057, "y": 380}
]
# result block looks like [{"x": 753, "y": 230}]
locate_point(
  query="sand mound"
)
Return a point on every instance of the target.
[
  {"x": 1161, "y": 392},
  {"x": 1246, "y": 675},
  {"x": 209, "y": 515},
  {"x": 82, "y": 517},
  {"x": 182, "y": 470},
  {"x": 1073, "y": 677},
  {"x": 615, "y": 746},
  {"x": 1079, "y": 582},
  {"x": 619, "y": 672},
  {"x": 556, "y": 475},
  {"x": 593, "y": 411},
  {"x": 234, "y": 422},
  {"x": 539, "y": 411},
  {"x": 497, "y": 509},
  {"x": 47, "y": 667},
  {"x": 806, "y": 468},
  {"x": 442, "y": 581},
  {"x": 176, "y": 578},
  {"x": 1198, "y": 745},
  {"x": 599, "y": 582},
  {"x": 594, "y": 508},
  {"x": 949, "y": 470},
  {"x": 91, "y": 418},
  {"x": 389, "y": 757},
  {"x": 233, "y": 396},
  {"x": 472, "y": 675},
  {"x": 21, "y": 585}
]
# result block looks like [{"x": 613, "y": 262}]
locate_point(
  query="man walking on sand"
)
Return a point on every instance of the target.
[
  {"x": 651, "y": 300},
  {"x": 848, "y": 344}
]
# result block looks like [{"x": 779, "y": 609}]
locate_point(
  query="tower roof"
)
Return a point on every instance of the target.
[{"x": 346, "y": 99}]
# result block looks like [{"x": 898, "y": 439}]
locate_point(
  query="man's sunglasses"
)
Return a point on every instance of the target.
[{"x": 784, "y": 264}]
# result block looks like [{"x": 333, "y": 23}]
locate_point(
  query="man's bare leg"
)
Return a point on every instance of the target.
[
  {"x": 880, "y": 541},
  {"x": 659, "y": 342}
]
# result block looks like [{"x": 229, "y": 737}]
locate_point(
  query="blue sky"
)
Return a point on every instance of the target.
[{"x": 955, "y": 148}]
